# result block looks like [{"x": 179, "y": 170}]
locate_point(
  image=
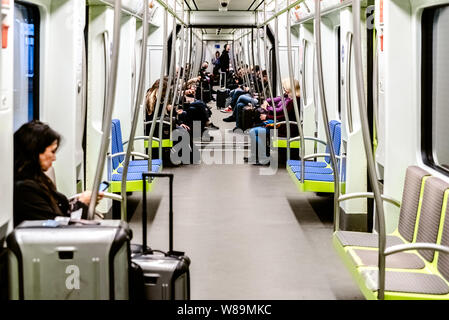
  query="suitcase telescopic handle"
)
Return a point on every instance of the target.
[{"x": 145, "y": 176}]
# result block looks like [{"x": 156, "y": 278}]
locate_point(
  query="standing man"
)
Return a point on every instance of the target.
[{"x": 224, "y": 60}]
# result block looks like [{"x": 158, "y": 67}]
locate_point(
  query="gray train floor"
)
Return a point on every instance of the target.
[{"x": 249, "y": 236}]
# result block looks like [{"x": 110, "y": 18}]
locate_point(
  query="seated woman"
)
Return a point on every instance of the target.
[
  {"x": 150, "y": 104},
  {"x": 259, "y": 135},
  {"x": 35, "y": 195}
]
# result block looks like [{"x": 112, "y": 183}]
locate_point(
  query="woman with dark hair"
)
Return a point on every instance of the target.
[
  {"x": 216, "y": 63},
  {"x": 35, "y": 195}
]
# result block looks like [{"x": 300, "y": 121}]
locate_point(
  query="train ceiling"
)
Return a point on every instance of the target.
[{"x": 213, "y": 5}]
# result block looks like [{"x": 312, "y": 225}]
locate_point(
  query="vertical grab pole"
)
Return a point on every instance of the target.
[
  {"x": 241, "y": 62},
  {"x": 245, "y": 63},
  {"x": 171, "y": 177},
  {"x": 144, "y": 216},
  {"x": 259, "y": 60},
  {"x": 279, "y": 82},
  {"x": 319, "y": 63},
  {"x": 178, "y": 78},
  {"x": 356, "y": 8},
  {"x": 348, "y": 82},
  {"x": 295, "y": 101},
  {"x": 159, "y": 95},
  {"x": 254, "y": 63},
  {"x": 250, "y": 63},
  {"x": 265, "y": 42},
  {"x": 109, "y": 109},
  {"x": 107, "y": 71},
  {"x": 138, "y": 102},
  {"x": 191, "y": 54},
  {"x": 169, "y": 85}
]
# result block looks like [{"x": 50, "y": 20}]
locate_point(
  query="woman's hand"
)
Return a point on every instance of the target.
[
  {"x": 185, "y": 127},
  {"x": 264, "y": 105},
  {"x": 263, "y": 117},
  {"x": 179, "y": 111},
  {"x": 86, "y": 195}
]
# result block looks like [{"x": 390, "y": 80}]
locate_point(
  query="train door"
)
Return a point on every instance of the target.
[
  {"x": 100, "y": 19},
  {"x": 330, "y": 51},
  {"x": 308, "y": 76},
  {"x": 6, "y": 142},
  {"x": 125, "y": 94},
  {"x": 354, "y": 168},
  {"x": 6, "y": 123},
  {"x": 51, "y": 88}
]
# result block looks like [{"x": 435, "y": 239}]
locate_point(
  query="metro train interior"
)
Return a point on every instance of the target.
[{"x": 339, "y": 193}]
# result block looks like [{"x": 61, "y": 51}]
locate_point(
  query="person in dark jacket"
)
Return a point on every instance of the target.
[
  {"x": 224, "y": 59},
  {"x": 35, "y": 195}
]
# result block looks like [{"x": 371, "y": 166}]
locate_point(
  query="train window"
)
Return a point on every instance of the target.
[
  {"x": 435, "y": 84},
  {"x": 26, "y": 63}
]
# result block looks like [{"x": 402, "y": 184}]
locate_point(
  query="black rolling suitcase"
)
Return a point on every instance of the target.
[
  {"x": 222, "y": 93},
  {"x": 248, "y": 117},
  {"x": 158, "y": 275}
]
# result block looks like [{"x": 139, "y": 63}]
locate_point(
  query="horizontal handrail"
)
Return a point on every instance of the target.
[
  {"x": 324, "y": 12},
  {"x": 309, "y": 138},
  {"x": 135, "y": 154},
  {"x": 126, "y": 9},
  {"x": 285, "y": 122},
  {"x": 370, "y": 195},
  {"x": 319, "y": 155},
  {"x": 171, "y": 12},
  {"x": 279, "y": 13},
  {"x": 415, "y": 246},
  {"x": 142, "y": 138},
  {"x": 136, "y": 139},
  {"x": 164, "y": 122},
  {"x": 107, "y": 195}
]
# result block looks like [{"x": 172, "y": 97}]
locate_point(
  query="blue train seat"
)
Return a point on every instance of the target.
[
  {"x": 318, "y": 175},
  {"x": 135, "y": 169}
]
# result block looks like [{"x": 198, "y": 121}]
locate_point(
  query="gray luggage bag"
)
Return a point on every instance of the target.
[
  {"x": 49, "y": 261},
  {"x": 158, "y": 275}
]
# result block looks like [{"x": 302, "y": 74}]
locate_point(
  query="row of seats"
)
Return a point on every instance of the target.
[
  {"x": 135, "y": 169},
  {"x": 417, "y": 274},
  {"x": 318, "y": 175}
]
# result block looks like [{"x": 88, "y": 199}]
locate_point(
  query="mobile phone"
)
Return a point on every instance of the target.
[{"x": 104, "y": 186}]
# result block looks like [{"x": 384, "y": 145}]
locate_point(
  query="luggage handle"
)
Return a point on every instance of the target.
[
  {"x": 221, "y": 74},
  {"x": 145, "y": 176}
]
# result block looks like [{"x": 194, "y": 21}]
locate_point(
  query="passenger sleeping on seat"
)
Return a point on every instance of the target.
[{"x": 35, "y": 195}]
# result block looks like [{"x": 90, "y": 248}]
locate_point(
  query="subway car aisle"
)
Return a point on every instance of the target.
[{"x": 249, "y": 236}]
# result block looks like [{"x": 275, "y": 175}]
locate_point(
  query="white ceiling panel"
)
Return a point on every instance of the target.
[{"x": 234, "y": 5}]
